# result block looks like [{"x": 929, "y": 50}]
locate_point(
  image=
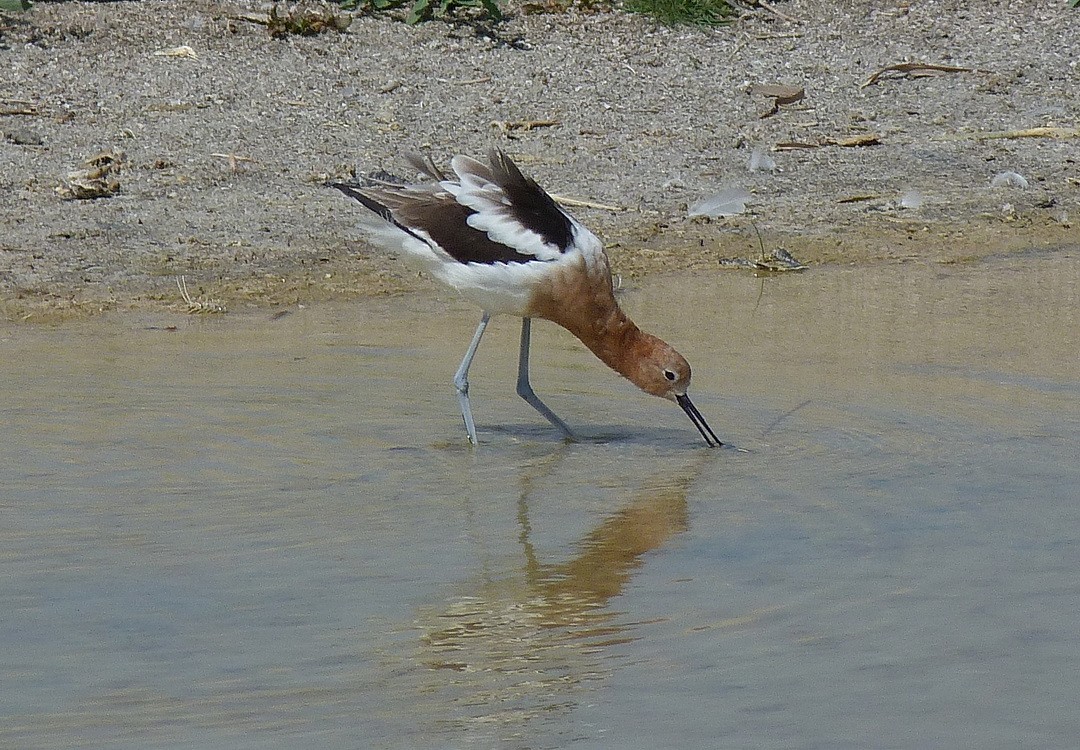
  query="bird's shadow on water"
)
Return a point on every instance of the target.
[{"x": 606, "y": 435}]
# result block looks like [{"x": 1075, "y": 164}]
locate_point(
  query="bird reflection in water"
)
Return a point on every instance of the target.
[{"x": 520, "y": 648}]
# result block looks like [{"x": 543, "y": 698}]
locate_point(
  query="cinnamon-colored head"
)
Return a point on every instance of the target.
[{"x": 656, "y": 368}]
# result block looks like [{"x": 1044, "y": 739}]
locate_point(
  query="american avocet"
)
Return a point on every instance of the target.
[{"x": 499, "y": 239}]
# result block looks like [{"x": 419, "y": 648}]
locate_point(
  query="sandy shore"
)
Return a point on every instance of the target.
[{"x": 225, "y": 148}]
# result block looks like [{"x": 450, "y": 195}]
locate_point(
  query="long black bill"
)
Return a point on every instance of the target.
[{"x": 698, "y": 420}]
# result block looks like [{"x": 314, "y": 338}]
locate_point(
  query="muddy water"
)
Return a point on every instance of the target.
[{"x": 252, "y": 533}]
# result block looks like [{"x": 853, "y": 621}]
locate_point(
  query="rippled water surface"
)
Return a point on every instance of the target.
[{"x": 254, "y": 533}]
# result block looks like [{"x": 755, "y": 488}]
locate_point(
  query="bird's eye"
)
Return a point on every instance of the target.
[{"x": 670, "y": 375}]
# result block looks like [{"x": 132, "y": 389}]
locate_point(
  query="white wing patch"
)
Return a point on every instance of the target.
[
  {"x": 499, "y": 286},
  {"x": 493, "y": 215},
  {"x": 588, "y": 244}
]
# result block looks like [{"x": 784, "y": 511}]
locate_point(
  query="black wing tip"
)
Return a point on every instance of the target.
[
  {"x": 356, "y": 192},
  {"x": 530, "y": 204},
  {"x": 505, "y": 167},
  {"x": 350, "y": 189},
  {"x": 424, "y": 164}
]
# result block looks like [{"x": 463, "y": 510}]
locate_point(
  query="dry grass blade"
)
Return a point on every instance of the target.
[
  {"x": 235, "y": 160},
  {"x": 581, "y": 203},
  {"x": 905, "y": 69},
  {"x": 782, "y": 16},
  {"x": 796, "y": 146},
  {"x": 851, "y": 141},
  {"x": 183, "y": 51},
  {"x": 17, "y": 107},
  {"x": 1039, "y": 132},
  {"x": 855, "y": 141},
  {"x": 99, "y": 178},
  {"x": 507, "y": 126},
  {"x": 781, "y": 95},
  {"x": 197, "y": 306},
  {"x": 779, "y": 261}
]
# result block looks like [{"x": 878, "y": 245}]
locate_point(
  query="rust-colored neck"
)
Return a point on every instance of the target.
[
  {"x": 615, "y": 339},
  {"x": 597, "y": 320}
]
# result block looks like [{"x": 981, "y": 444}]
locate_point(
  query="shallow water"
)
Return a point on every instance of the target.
[{"x": 252, "y": 533}]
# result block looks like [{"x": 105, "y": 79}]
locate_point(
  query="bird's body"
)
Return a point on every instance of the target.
[{"x": 500, "y": 240}]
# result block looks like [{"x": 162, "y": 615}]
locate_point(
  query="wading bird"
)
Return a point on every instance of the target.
[{"x": 498, "y": 238}]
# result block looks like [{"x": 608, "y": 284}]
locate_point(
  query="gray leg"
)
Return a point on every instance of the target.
[
  {"x": 461, "y": 379},
  {"x": 525, "y": 390}
]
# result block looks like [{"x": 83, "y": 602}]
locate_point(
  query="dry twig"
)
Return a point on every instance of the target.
[
  {"x": 507, "y": 126},
  {"x": 905, "y": 69},
  {"x": 853, "y": 141},
  {"x": 779, "y": 93},
  {"x": 182, "y": 51},
  {"x": 19, "y": 107},
  {"x": 99, "y": 178},
  {"x": 235, "y": 160},
  {"x": 581, "y": 203},
  {"x": 1039, "y": 132},
  {"x": 783, "y": 16},
  {"x": 194, "y": 305}
]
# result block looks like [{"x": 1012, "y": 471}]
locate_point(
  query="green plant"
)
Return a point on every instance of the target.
[
  {"x": 425, "y": 10},
  {"x": 533, "y": 7},
  {"x": 692, "y": 12},
  {"x": 304, "y": 22},
  {"x": 370, "y": 6}
]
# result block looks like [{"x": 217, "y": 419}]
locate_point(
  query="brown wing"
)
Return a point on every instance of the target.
[
  {"x": 427, "y": 214},
  {"x": 528, "y": 215}
]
